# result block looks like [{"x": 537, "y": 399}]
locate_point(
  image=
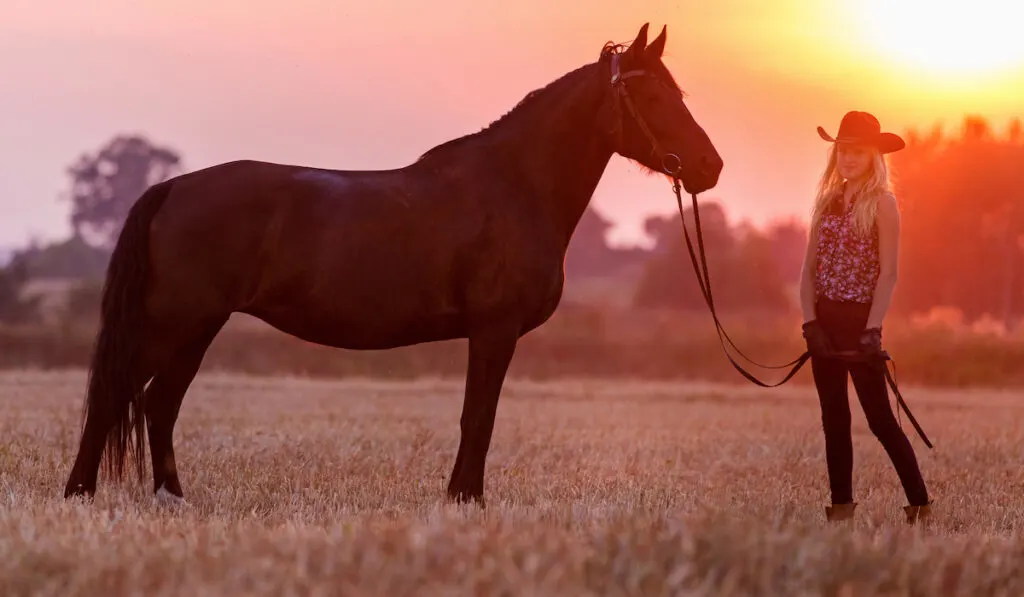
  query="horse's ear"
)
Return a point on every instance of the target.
[
  {"x": 657, "y": 46},
  {"x": 637, "y": 47}
]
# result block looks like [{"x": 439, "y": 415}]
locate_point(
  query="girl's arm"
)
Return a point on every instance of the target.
[
  {"x": 807, "y": 277},
  {"x": 888, "y": 219}
]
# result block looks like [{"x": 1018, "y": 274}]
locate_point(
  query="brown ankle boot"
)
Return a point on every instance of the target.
[
  {"x": 916, "y": 514},
  {"x": 840, "y": 512}
]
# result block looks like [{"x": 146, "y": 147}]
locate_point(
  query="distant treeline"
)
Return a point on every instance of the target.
[{"x": 578, "y": 342}]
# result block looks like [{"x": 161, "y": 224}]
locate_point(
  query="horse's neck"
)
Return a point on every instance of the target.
[{"x": 560, "y": 154}]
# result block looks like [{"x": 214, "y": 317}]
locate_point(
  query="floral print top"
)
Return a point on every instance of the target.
[{"x": 847, "y": 262}]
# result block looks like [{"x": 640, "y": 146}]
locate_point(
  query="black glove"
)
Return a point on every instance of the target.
[
  {"x": 871, "y": 342},
  {"x": 817, "y": 341}
]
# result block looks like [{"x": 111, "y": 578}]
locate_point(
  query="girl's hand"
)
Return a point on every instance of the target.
[
  {"x": 818, "y": 343},
  {"x": 871, "y": 341}
]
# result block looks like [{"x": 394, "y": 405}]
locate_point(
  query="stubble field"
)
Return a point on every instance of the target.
[{"x": 616, "y": 488}]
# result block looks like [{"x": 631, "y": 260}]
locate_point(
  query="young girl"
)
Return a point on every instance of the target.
[{"x": 848, "y": 278}]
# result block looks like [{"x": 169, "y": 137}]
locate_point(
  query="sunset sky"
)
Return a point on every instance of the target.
[{"x": 307, "y": 82}]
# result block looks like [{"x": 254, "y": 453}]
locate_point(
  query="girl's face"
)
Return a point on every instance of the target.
[{"x": 853, "y": 161}]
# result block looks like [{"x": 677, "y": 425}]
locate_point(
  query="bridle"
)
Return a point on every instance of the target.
[
  {"x": 672, "y": 165},
  {"x": 670, "y": 162}
]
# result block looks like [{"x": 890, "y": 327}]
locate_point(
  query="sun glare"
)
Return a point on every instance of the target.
[{"x": 975, "y": 37}]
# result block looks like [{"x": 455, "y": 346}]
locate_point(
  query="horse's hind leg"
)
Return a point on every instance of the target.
[
  {"x": 85, "y": 470},
  {"x": 163, "y": 402}
]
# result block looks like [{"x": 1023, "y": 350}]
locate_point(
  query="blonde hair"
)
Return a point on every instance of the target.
[{"x": 877, "y": 184}]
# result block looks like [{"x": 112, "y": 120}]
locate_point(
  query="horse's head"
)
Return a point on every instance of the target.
[{"x": 649, "y": 122}]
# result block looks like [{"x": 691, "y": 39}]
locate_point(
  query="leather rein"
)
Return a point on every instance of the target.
[{"x": 672, "y": 165}]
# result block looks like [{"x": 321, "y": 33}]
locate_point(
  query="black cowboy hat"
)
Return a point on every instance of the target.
[{"x": 863, "y": 128}]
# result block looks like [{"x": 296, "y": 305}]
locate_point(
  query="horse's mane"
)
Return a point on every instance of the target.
[
  {"x": 539, "y": 95},
  {"x": 523, "y": 106}
]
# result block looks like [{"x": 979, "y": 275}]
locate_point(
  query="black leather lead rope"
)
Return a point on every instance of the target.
[
  {"x": 902, "y": 403},
  {"x": 704, "y": 280}
]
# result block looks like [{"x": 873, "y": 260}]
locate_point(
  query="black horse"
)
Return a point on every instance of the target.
[{"x": 467, "y": 242}]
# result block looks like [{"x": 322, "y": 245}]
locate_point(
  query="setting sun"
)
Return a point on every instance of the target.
[{"x": 952, "y": 38}]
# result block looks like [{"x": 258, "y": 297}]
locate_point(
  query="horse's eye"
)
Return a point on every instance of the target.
[{"x": 655, "y": 97}]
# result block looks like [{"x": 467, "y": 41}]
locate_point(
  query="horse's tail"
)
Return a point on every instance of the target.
[{"x": 117, "y": 378}]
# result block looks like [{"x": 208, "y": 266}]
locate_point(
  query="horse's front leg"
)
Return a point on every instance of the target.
[{"x": 490, "y": 352}]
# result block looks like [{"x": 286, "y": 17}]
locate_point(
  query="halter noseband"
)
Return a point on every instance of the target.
[{"x": 670, "y": 162}]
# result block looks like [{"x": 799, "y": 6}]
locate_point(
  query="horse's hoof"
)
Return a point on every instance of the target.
[
  {"x": 165, "y": 498},
  {"x": 77, "y": 491},
  {"x": 465, "y": 497}
]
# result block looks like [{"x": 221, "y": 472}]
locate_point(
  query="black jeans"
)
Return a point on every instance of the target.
[{"x": 843, "y": 322}]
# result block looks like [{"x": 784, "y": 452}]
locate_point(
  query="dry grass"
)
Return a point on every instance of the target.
[{"x": 323, "y": 488}]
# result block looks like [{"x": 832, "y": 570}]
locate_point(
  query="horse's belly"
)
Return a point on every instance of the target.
[
  {"x": 376, "y": 326},
  {"x": 367, "y": 334},
  {"x": 360, "y": 295},
  {"x": 367, "y": 296}
]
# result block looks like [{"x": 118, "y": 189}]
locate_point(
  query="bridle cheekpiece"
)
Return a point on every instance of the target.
[{"x": 670, "y": 162}]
